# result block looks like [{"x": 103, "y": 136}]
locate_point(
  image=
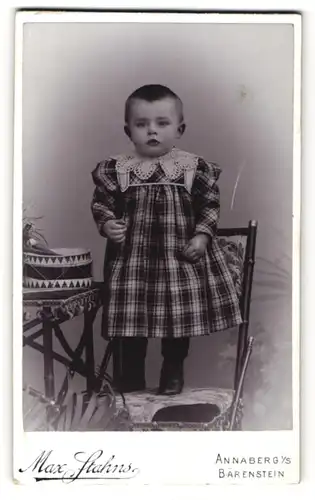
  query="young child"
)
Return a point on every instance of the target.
[{"x": 164, "y": 273}]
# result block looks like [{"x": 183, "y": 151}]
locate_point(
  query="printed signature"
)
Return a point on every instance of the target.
[{"x": 92, "y": 466}]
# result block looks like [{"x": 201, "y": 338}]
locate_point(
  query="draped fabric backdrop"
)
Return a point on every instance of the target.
[{"x": 236, "y": 82}]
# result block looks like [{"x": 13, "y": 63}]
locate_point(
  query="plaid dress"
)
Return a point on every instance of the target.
[{"x": 151, "y": 289}]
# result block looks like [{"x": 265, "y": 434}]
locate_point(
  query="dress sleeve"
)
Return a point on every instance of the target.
[
  {"x": 206, "y": 198},
  {"x": 106, "y": 200}
]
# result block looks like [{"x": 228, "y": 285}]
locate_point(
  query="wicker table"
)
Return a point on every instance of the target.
[{"x": 53, "y": 308}]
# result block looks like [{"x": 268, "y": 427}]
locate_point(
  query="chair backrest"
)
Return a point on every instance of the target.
[{"x": 239, "y": 246}]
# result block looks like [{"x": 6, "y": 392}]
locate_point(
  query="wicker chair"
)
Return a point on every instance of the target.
[{"x": 208, "y": 408}]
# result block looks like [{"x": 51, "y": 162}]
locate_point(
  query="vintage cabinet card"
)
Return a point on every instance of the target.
[{"x": 170, "y": 144}]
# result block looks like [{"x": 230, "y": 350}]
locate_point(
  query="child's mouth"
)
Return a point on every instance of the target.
[{"x": 153, "y": 142}]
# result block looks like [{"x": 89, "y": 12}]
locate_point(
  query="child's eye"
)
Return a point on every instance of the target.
[
  {"x": 140, "y": 124},
  {"x": 163, "y": 123}
]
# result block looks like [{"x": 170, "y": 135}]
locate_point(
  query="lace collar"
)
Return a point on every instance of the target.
[{"x": 173, "y": 164}]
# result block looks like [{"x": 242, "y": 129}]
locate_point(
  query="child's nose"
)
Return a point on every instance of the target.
[{"x": 152, "y": 128}]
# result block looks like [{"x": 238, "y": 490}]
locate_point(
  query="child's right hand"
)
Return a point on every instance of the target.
[{"x": 115, "y": 230}]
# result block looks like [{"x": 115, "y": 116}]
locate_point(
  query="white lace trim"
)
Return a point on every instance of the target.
[{"x": 173, "y": 164}]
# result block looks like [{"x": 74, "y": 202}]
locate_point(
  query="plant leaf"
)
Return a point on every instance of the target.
[
  {"x": 69, "y": 413},
  {"x": 77, "y": 411},
  {"x": 61, "y": 422},
  {"x": 273, "y": 273},
  {"x": 37, "y": 419},
  {"x": 270, "y": 296},
  {"x": 103, "y": 415},
  {"x": 273, "y": 265},
  {"x": 88, "y": 412},
  {"x": 273, "y": 284}
]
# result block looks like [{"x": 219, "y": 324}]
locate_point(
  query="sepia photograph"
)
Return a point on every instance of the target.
[{"x": 157, "y": 177}]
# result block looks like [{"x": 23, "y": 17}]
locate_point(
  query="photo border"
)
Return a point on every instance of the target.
[{"x": 281, "y": 440}]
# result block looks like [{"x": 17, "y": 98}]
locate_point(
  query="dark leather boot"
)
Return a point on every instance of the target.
[
  {"x": 171, "y": 378},
  {"x": 174, "y": 351},
  {"x": 129, "y": 364}
]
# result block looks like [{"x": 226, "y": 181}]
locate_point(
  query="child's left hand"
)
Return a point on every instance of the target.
[{"x": 196, "y": 247}]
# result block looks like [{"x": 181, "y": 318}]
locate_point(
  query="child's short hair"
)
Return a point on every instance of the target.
[{"x": 151, "y": 93}]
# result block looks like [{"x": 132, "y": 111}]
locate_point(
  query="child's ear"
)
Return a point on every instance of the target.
[
  {"x": 181, "y": 129},
  {"x": 127, "y": 131}
]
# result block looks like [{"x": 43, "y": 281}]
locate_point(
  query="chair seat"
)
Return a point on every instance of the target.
[{"x": 193, "y": 409}]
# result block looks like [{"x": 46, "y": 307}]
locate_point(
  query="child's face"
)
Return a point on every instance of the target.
[{"x": 154, "y": 126}]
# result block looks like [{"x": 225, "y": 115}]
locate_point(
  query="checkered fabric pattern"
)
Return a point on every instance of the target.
[{"x": 151, "y": 290}]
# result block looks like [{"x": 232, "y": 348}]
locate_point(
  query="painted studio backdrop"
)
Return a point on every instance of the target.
[{"x": 236, "y": 83}]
